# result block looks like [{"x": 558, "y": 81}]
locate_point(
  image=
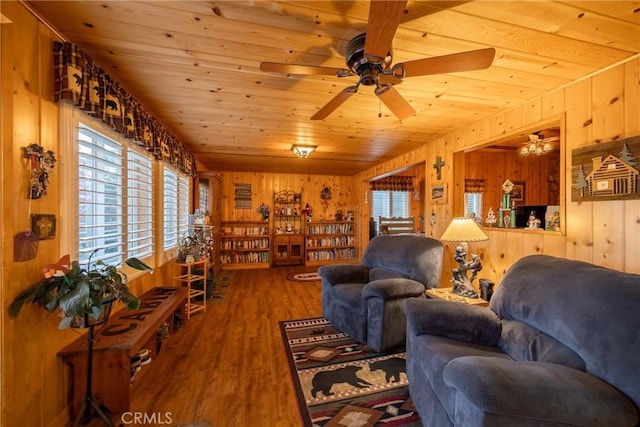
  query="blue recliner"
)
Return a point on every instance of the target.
[
  {"x": 366, "y": 301},
  {"x": 558, "y": 346}
]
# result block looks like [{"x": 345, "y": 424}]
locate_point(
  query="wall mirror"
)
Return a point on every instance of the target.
[{"x": 532, "y": 160}]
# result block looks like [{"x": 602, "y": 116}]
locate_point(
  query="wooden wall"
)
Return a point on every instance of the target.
[
  {"x": 34, "y": 389},
  {"x": 263, "y": 185},
  {"x": 494, "y": 167},
  {"x": 35, "y": 386},
  {"x": 601, "y": 108}
]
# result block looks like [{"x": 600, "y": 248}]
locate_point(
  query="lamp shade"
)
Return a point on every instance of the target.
[
  {"x": 463, "y": 230},
  {"x": 303, "y": 151}
]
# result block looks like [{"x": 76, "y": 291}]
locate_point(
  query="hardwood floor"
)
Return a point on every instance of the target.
[{"x": 228, "y": 367}]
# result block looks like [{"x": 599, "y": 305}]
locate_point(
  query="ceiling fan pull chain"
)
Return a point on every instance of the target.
[{"x": 379, "y": 108}]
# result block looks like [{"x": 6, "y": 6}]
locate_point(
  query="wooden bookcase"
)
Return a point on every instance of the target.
[
  {"x": 288, "y": 234},
  {"x": 331, "y": 241},
  {"x": 245, "y": 244}
]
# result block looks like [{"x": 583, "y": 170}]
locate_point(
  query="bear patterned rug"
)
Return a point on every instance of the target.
[{"x": 340, "y": 382}]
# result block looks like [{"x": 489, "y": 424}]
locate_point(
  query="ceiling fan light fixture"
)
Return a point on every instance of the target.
[
  {"x": 536, "y": 145},
  {"x": 303, "y": 151}
]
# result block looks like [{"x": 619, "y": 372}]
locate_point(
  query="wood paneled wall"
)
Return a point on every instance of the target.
[
  {"x": 34, "y": 390},
  {"x": 35, "y": 385},
  {"x": 263, "y": 185},
  {"x": 494, "y": 167},
  {"x": 600, "y": 108}
]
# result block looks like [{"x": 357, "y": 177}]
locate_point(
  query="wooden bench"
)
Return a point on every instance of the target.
[
  {"x": 396, "y": 225},
  {"x": 125, "y": 333}
]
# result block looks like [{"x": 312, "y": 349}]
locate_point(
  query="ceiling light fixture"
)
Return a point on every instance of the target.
[
  {"x": 303, "y": 151},
  {"x": 536, "y": 146}
]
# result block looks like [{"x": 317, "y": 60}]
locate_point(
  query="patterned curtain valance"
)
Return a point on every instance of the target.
[
  {"x": 393, "y": 183},
  {"x": 89, "y": 87},
  {"x": 472, "y": 185}
]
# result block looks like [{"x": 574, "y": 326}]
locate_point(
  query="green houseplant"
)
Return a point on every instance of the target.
[{"x": 80, "y": 292}]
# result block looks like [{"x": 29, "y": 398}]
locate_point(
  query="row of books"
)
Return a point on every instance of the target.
[
  {"x": 245, "y": 257},
  {"x": 245, "y": 231},
  {"x": 339, "y": 228},
  {"x": 331, "y": 254},
  {"x": 244, "y": 244},
  {"x": 331, "y": 241}
]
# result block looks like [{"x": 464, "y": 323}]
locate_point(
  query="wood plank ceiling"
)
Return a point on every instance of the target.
[{"x": 195, "y": 66}]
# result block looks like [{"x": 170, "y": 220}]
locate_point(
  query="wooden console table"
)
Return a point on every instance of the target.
[
  {"x": 125, "y": 333},
  {"x": 447, "y": 294}
]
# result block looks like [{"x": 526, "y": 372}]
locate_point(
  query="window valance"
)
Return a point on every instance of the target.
[
  {"x": 80, "y": 80},
  {"x": 472, "y": 185},
  {"x": 393, "y": 183}
]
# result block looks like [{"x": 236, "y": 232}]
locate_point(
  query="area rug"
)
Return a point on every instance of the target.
[
  {"x": 304, "y": 277},
  {"x": 220, "y": 286},
  {"x": 340, "y": 382}
]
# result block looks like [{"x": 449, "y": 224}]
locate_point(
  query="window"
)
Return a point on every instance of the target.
[
  {"x": 114, "y": 210},
  {"x": 176, "y": 206},
  {"x": 473, "y": 204},
  {"x": 140, "y": 218},
  {"x": 390, "y": 204},
  {"x": 170, "y": 208},
  {"x": 100, "y": 197}
]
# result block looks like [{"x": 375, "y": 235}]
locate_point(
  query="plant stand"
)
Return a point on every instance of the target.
[{"x": 85, "y": 414}]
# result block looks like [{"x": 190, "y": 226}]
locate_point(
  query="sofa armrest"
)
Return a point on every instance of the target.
[
  {"x": 535, "y": 391},
  {"x": 343, "y": 273},
  {"x": 393, "y": 288},
  {"x": 469, "y": 323}
]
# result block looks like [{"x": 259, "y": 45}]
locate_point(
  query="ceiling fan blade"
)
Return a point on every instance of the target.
[
  {"x": 456, "y": 62},
  {"x": 384, "y": 17},
  {"x": 395, "y": 102},
  {"x": 275, "y": 67},
  {"x": 335, "y": 102}
]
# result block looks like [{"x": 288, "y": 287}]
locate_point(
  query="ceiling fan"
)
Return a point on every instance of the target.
[
  {"x": 369, "y": 57},
  {"x": 538, "y": 144}
]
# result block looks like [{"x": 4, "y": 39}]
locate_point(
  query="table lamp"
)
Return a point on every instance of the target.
[{"x": 464, "y": 230}]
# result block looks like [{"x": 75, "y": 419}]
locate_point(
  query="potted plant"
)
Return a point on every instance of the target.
[{"x": 80, "y": 293}]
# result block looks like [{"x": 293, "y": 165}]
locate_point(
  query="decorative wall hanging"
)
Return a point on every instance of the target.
[
  {"x": 438, "y": 166},
  {"x": 607, "y": 171},
  {"x": 517, "y": 193},
  {"x": 43, "y": 226},
  {"x": 40, "y": 164},
  {"x": 80, "y": 80},
  {"x": 243, "y": 196},
  {"x": 439, "y": 194}
]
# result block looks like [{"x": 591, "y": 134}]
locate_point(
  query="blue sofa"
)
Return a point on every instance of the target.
[
  {"x": 366, "y": 300},
  {"x": 559, "y": 346}
]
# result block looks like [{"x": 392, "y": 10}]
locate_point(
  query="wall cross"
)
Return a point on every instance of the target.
[{"x": 438, "y": 166}]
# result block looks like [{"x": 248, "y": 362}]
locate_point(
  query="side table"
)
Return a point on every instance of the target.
[{"x": 447, "y": 294}]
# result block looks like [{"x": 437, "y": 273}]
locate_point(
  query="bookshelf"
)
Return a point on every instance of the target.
[
  {"x": 288, "y": 234},
  {"x": 244, "y": 244},
  {"x": 330, "y": 241}
]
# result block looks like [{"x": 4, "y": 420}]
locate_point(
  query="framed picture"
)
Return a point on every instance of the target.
[
  {"x": 438, "y": 193},
  {"x": 43, "y": 226},
  {"x": 517, "y": 194}
]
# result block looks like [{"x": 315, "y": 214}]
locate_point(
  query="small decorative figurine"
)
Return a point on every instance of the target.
[
  {"x": 338, "y": 215},
  {"x": 491, "y": 218}
]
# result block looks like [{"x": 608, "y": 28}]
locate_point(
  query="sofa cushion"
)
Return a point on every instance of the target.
[
  {"x": 525, "y": 343},
  {"x": 590, "y": 309},
  {"x": 413, "y": 256},
  {"x": 441, "y": 351},
  {"x": 377, "y": 273}
]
